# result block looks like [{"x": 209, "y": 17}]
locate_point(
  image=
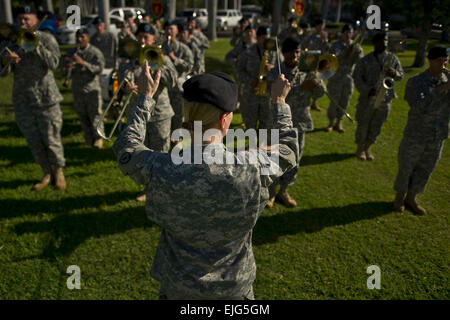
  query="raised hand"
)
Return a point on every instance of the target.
[{"x": 146, "y": 84}]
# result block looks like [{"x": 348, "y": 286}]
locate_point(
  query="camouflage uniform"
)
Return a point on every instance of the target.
[
  {"x": 236, "y": 39},
  {"x": 183, "y": 63},
  {"x": 197, "y": 53},
  {"x": 254, "y": 108},
  {"x": 427, "y": 129},
  {"x": 366, "y": 75},
  {"x": 36, "y": 101},
  {"x": 158, "y": 128},
  {"x": 340, "y": 86},
  {"x": 107, "y": 42},
  {"x": 87, "y": 95},
  {"x": 231, "y": 58},
  {"x": 207, "y": 211},
  {"x": 298, "y": 101},
  {"x": 315, "y": 42},
  {"x": 203, "y": 44}
]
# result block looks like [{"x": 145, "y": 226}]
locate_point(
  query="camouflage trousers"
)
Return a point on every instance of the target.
[
  {"x": 41, "y": 127},
  {"x": 340, "y": 90},
  {"x": 157, "y": 136},
  {"x": 88, "y": 106},
  {"x": 370, "y": 121},
  {"x": 289, "y": 177},
  {"x": 255, "y": 110},
  {"x": 416, "y": 163},
  {"x": 176, "y": 100}
]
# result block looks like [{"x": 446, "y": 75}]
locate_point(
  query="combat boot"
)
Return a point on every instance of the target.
[
  {"x": 338, "y": 127},
  {"x": 45, "y": 181},
  {"x": 270, "y": 203},
  {"x": 142, "y": 196},
  {"x": 399, "y": 202},
  {"x": 60, "y": 180},
  {"x": 286, "y": 199},
  {"x": 411, "y": 202},
  {"x": 330, "y": 127},
  {"x": 369, "y": 154},
  {"x": 98, "y": 143},
  {"x": 315, "y": 107},
  {"x": 360, "y": 152}
]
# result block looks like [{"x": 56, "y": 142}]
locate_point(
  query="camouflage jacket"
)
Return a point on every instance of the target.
[
  {"x": 298, "y": 100},
  {"x": 232, "y": 57},
  {"x": 346, "y": 62},
  {"x": 34, "y": 82},
  {"x": 201, "y": 39},
  {"x": 85, "y": 77},
  {"x": 207, "y": 211},
  {"x": 315, "y": 42},
  {"x": 107, "y": 42},
  {"x": 184, "y": 61},
  {"x": 369, "y": 69},
  {"x": 163, "y": 108},
  {"x": 429, "y": 116},
  {"x": 197, "y": 53}
]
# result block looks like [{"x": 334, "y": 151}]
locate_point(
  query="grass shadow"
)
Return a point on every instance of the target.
[
  {"x": 324, "y": 158},
  {"x": 269, "y": 228}
]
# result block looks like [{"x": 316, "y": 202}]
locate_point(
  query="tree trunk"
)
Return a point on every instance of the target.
[
  {"x": 103, "y": 12},
  {"x": 338, "y": 13},
  {"x": 276, "y": 17},
  {"x": 6, "y": 12},
  {"x": 212, "y": 15},
  {"x": 48, "y": 5},
  {"x": 425, "y": 30},
  {"x": 172, "y": 9},
  {"x": 325, "y": 9}
]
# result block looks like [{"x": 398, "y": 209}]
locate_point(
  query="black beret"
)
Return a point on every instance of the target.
[
  {"x": 379, "y": 36},
  {"x": 251, "y": 26},
  {"x": 347, "y": 27},
  {"x": 82, "y": 30},
  {"x": 437, "y": 52},
  {"x": 26, "y": 9},
  {"x": 263, "y": 31},
  {"x": 145, "y": 28},
  {"x": 216, "y": 88},
  {"x": 169, "y": 22},
  {"x": 97, "y": 20},
  {"x": 290, "y": 44}
]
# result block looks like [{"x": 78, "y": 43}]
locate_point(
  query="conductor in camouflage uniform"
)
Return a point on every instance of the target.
[
  {"x": 36, "y": 99},
  {"x": 207, "y": 211},
  {"x": 368, "y": 72},
  {"x": 255, "y": 109},
  {"x": 86, "y": 64},
  {"x": 304, "y": 87},
  {"x": 340, "y": 85},
  {"x": 158, "y": 127},
  {"x": 183, "y": 60},
  {"x": 428, "y": 127}
]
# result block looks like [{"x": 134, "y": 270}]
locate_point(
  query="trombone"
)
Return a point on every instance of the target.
[{"x": 155, "y": 58}]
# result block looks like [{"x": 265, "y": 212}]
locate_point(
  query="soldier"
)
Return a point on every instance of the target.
[
  {"x": 159, "y": 31},
  {"x": 106, "y": 42},
  {"x": 340, "y": 85},
  {"x": 368, "y": 72},
  {"x": 238, "y": 32},
  {"x": 202, "y": 41},
  {"x": 255, "y": 108},
  {"x": 207, "y": 211},
  {"x": 86, "y": 64},
  {"x": 290, "y": 31},
  {"x": 183, "y": 60},
  {"x": 318, "y": 41},
  {"x": 129, "y": 27},
  {"x": 185, "y": 37},
  {"x": 304, "y": 87},
  {"x": 36, "y": 99},
  {"x": 428, "y": 127},
  {"x": 158, "y": 128}
]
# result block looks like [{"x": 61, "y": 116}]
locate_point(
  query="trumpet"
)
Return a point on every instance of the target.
[{"x": 69, "y": 72}]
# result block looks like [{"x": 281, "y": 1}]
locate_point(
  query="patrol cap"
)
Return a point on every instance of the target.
[
  {"x": 169, "y": 22},
  {"x": 145, "y": 28},
  {"x": 97, "y": 20},
  {"x": 216, "y": 88},
  {"x": 379, "y": 36},
  {"x": 26, "y": 9},
  {"x": 82, "y": 30},
  {"x": 347, "y": 27},
  {"x": 251, "y": 26},
  {"x": 437, "y": 52},
  {"x": 263, "y": 31},
  {"x": 290, "y": 44}
]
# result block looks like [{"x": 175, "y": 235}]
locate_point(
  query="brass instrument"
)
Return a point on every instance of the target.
[
  {"x": 384, "y": 83},
  {"x": 324, "y": 67},
  {"x": 153, "y": 55},
  {"x": 261, "y": 87},
  {"x": 69, "y": 72}
]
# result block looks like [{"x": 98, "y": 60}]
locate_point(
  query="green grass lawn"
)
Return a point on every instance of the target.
[{"x": 319, "y": 250}]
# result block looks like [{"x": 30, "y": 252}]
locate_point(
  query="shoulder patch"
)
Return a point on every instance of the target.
[
  {"x": 125, "y": 158},
  {"x": 284, "y": 151}
]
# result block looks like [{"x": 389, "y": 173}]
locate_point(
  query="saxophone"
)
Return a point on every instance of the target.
[
  {"x": 384, "y": 83},
  {"x": 261, "y": 87}
]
